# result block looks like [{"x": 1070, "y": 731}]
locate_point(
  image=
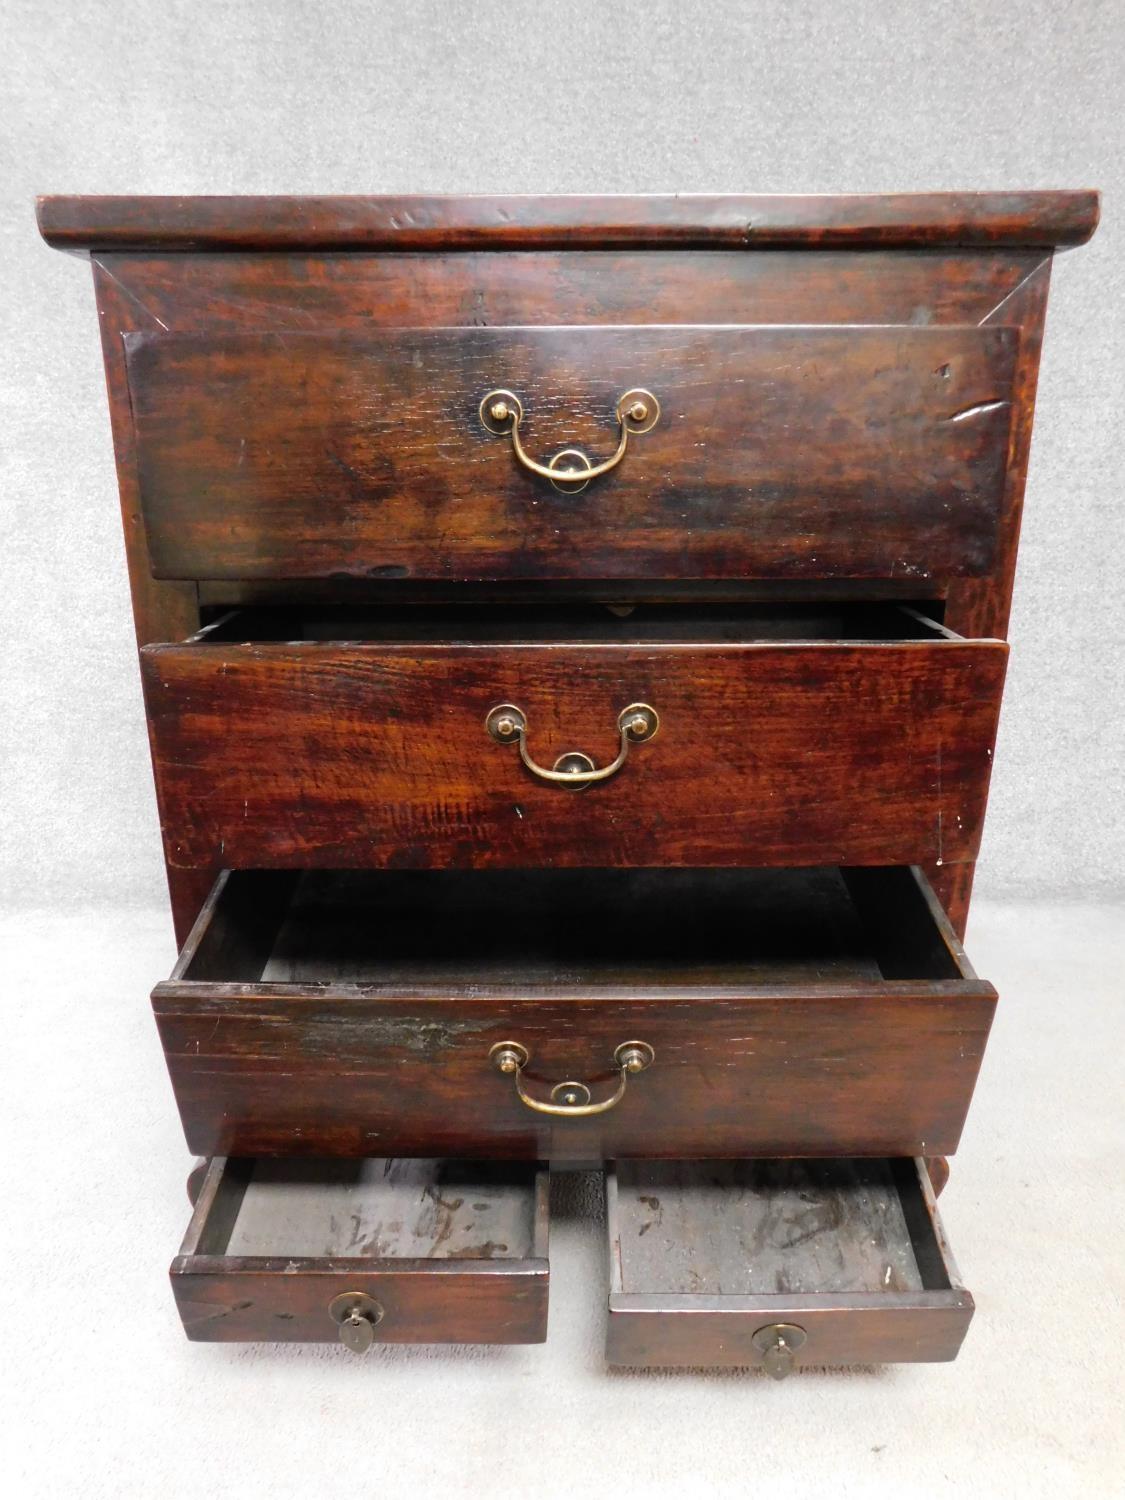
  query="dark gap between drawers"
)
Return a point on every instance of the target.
[
  {"x": 664, "y": 927},
  {"x": 583, "y": 624}
]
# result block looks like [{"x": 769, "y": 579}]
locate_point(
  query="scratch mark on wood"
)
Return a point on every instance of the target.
[{"x": 978, "y": 409}]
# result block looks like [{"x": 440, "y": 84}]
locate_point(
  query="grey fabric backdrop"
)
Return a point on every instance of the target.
[{"x": 293, "y": 96}]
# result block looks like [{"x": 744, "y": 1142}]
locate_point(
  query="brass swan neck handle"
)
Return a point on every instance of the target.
[
  {"x": 507, "y": 724},
  {"x": 570, "y": 1099},
  {"x": 570, "y": 471}
]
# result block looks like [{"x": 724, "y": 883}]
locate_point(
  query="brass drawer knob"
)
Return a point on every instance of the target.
[
  {"x": 570, "y": 1099},
  {"x": 778, "y": 1343},
  {"x": 570, "y": 471},
  {"x": 507, "y": 725},
  {"x": 356, "y": 1314}
]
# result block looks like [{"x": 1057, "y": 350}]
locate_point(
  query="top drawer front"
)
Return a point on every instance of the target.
[{"x": 780, "y": 452}]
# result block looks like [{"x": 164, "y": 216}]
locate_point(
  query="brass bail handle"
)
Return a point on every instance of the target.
[
  {"x": 570, "y": 1099},
  {"x": 507, "y": 725},
  {"x": 570, "y": 471}
]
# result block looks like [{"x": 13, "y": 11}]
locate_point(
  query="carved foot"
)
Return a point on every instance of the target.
[
  {"x": 938, "y": 1168},
  {"x": 196, "y": 1175}
]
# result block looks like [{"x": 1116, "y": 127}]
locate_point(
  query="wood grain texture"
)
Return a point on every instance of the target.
[
  {"x": 228, "y": 293},
  {"x": 161, "y": 610},
  {"x": 436, "y": 222},
  {"x": 812, "y": 1070},
  {"x": 981, "y": 606},
  {"x": 709, "y": 1327},
  {"x": 778, "y": 1036},
  {"x": 780, "y": 453},
  {"x": 914, "y": 260},
  {"x": 358, "y": 755},
  {"x": 285, "y": 1298}
]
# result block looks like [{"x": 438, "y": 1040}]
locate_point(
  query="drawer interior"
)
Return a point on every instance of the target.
[
  {"x": 661, "y": 928},
  {"x": 761, "y": 1228},
  {"x": 589, "y": 624},
  {"x": 427, "y": 1250},
  {"x": 384, "y": 1209},
  {"x": 389, "y": 1209}
]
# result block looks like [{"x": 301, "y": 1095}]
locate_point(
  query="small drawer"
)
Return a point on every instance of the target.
[
  {"x": 573, "y": 1016},
  {"x": 366, "y": 1251},
  {"x": 762, "y": 452},
  {"x": 761, "y": 735},
  {"x": 779, "y": 1264}
]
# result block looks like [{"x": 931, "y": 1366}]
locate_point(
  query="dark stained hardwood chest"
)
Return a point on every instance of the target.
[{"x": 573, "y": 636}]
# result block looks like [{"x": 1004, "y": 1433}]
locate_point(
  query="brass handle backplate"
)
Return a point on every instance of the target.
[
  {"x": 570, "y": 1099},
  {"x": 570, "y": 470},
  {"x": 507, "y": 725}
]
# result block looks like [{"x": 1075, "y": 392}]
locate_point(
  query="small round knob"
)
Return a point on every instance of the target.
[
  {"x": 356, "y": 1314},
  {"x": 499, "y": 411},
  {"x": 638, "y": 412},
  {"x": 778, "y": 1343}
]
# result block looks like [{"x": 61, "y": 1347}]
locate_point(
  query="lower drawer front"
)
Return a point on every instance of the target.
[
  {"x": 365, "y": 1251},
  {"x": 574, "y": 1016},
  {"x": 779, "y": 1265}
]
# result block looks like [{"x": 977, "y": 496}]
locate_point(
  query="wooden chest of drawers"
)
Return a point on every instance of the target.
[{"x": 572, "y": 634}]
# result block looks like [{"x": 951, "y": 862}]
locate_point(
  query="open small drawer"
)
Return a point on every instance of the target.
[
  {"x": 366, "y": 1251},
  {"x": 779, "y": 1264}
]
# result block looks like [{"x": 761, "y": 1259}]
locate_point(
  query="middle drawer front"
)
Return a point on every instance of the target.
[
  {"x": 779, "y": 741},
  {"x": 574, "y": 1016}
]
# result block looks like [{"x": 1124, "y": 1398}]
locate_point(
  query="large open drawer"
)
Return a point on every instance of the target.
[{"x": 452, "y": 1013}]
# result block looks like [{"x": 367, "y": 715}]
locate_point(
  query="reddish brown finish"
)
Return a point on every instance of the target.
[
  {"x": 855, "y": 1063},
  {"x": 161, "y": 611},
  {"x": 355, "y": 294},
  {"x": 993, "y": 268},
  {"x": 235, "y": 1299},
  {"x": 937, "y": 1169},
  {"x": 669, "y": 1333},
  {"x": 285, "y": 755},
  {"x": 348, "y": 1070},
  {"x": 323, "y": 755},
  {"x": 231, "y": 1299},
  {"x": 689, "y": 1331},
  {"x": 981, "y": 606},
  {"x": 780, "y": 453},
  {"x": 954, "y": 887},
  {"x": 443, "y": 223}
]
